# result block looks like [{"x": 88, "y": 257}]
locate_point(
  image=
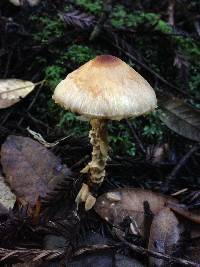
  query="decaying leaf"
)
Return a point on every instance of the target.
[
  {"x": 22, "y": 2},
  {"x": 30, "y": 169},
  {"x": 181, "y": 118},
  {"x": 164, "y": 235},
  {"x": 182, "y": 210},
  {"x": 115, "y": 206},
  {"x": 13, "y": 90},
  {"x": 7, "y": 198}
]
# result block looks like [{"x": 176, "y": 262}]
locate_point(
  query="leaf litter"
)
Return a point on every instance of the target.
[
  {"x": 13, "y": 90},
  {"x": 30, "y": 169}
]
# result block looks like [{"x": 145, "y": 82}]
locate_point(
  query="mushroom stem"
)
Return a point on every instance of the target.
[{"x": 98, "y": 139}]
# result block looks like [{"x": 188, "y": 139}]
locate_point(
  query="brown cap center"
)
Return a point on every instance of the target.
[{"x": 106, "y": 60}]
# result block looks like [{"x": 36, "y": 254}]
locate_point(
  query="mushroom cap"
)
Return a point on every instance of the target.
[{"x": 106, "y": 87}]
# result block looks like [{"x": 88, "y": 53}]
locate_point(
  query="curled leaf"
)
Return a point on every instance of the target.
[
  {"x": 13, "y": 90},
  {"x": 164, "y": 235},
  {"x": 181, "y": 118},
  {"x": 115, "y": 206},
  {"x": 31, "y": 170},
  {"x": 182, "y": 210}
]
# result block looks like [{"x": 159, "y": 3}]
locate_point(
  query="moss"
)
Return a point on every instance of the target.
[
  {"x": 48, "y": 27},
  {"x": 120, "y": 17},
  {"x": 93, "y": 6},
  {"x": 188, "y": 46},
  {"x": 80, "y": 54},
  {"x": 53, "y": 75},
  {"x": 154, "y": 128}
]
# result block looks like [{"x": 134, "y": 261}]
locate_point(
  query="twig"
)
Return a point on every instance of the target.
[
  {"x": 106, "y": 10},
  {"x": 8, "y": 64},
  {"x": 78, "y": 163},
  {"x": 170, "y": 12},
  {"x": 177, "y": 168},
  {"x": 136, "y": 137},
  {"x": 197, "y": 27},
  {"x": 93, "y": 248},
  {"x": 33, "y": 101},
  {"x": 157, "y": 255}
]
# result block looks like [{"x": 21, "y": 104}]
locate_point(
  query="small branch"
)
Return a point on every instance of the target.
[
  {"x": 170, "y": 12},
  {"x": 197, "y": 27},
  {"x": 136, "y": 137},
  {"x": 106, "y": 10},
  {"x": 33, "y": 101},
  {"x": 24, "y": 255},
  {"x": 157, "y": 255},
  {"x": 92, "y": 248},
  {"x": 180, "y": 165}
]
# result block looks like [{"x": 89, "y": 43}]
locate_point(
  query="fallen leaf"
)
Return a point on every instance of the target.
[
  {"x": 182, "y": 210},
  {"x": 164, "y": 235},
  {"x": 31, "y": 170},
  {"x": 115, "y": 206},
  {"x": 181, "y": 118},
  {"x": 13, "y": 90},
  {"x": 7, "y": 198}
]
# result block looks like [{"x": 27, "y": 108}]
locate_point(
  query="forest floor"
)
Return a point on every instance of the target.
[{"x": 151, "y": 155}]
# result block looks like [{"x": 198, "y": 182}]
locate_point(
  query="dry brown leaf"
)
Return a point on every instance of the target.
[
  {"x": 118, "y": 204},
  {"x": 182, "y": 210},
  {"x": 181, "y": 118},
  {"x": 164, "y": 235},
  {"x": 7, "y": 198},
  {"x": 31, "y": 169},
  {"x": 13, "y": 90}
]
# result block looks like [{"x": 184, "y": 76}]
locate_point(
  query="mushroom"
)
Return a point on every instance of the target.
[{"x": 104, "y": 88}]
